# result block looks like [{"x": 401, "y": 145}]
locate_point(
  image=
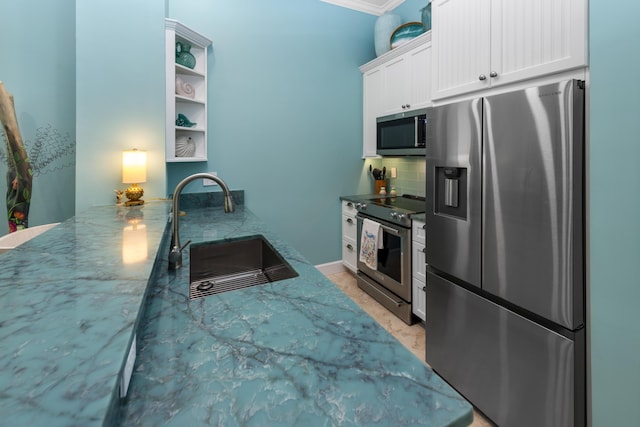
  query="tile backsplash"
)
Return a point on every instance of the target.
[{"x": 411, "y": 174}]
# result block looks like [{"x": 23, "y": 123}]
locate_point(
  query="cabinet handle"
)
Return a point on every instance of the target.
[
  {"x": 424, "y": 288},
  {"x": 349, "y": 246},
  {"x": 349, "y": 204},
  {"x": 493, "y": 74},
  {"x": 424, "y": 251},
  {"x": 349, "y": 220},
  {"x": 482, "y": 77}
]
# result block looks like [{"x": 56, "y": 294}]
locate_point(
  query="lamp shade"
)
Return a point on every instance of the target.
[{"x": 134, "y": 166}]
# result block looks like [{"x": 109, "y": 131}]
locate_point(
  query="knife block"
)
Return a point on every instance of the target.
[{"x": 378, "y": 184}]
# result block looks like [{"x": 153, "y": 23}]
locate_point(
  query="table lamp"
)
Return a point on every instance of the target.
[{"x": 134, "y": 171}]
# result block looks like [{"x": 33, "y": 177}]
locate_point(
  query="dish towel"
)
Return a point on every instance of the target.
[{"x": 370, "y": 243}]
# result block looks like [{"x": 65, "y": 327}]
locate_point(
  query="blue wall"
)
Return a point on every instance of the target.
[
  {"x": 285, "y": 110},
  {"x": 38, "y": 68},
  {"x": 615, "y": 211},
  {"x": 120, "y": 95}
]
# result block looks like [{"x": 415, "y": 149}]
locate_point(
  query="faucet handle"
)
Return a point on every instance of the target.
[{"x": 175, "y": 256}]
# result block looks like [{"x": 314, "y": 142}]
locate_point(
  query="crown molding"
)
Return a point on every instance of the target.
[
  {"x": 424, "y": 38},
  {"x": 372, "y": 7},
  {"x": 186, "y": 33}
]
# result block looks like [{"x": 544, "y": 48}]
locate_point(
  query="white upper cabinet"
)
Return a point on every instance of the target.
[
  {"x": 478, "y": 44},
  {"x": 372, "y": 108},
  {"x": 395, "y": 82},
  {"x": 406, "y": 81}
]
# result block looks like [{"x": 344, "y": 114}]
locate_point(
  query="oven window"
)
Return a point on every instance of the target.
[{"x": 390, "y": 258}]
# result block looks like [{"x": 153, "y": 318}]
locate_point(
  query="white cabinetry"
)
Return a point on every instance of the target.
[
  {"x": 478, "y": 44},
  {"x": 186, "y": 92},
  {"x": 418, "y": 269},
  {"x": 372, "y": 108},
  {"x": 406, "y": 85},
  {"x": 349, "y": 235},
  {"x": 394, "y": 82}
]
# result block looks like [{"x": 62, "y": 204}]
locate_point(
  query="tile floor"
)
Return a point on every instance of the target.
[{"x": 412, "y": 337}]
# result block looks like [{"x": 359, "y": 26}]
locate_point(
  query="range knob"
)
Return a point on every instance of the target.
[
  {"x": 398, "y": 216},
  {"x": 362, "y": 206}
]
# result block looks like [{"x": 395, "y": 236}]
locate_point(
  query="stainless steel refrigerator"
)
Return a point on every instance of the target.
[{"x": 505, "y": 251}]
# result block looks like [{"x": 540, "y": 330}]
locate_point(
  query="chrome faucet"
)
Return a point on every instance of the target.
[{"x": 175, "y": 255}]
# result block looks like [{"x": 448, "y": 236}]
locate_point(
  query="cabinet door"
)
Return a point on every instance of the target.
[
  {"x": 418, "y": 261},
  {"x": 397, "y": 86},
  {"x": 349, "y": 208},
  {"x": 372, "y": 107},
  {"x": 349, "y": 254},
  {"x": 534, "y": 38},
  {"x": 419, "y": 301},
  {"x": 349, "y": 235},
  {"x": 349, "y": 228},
  {"x": 420, "y": 77},
  {"x": 418, "y": 231},
  {"x": 461, "y": 46}
]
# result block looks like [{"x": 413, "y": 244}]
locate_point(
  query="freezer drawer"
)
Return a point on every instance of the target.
[{"x": 515, "y": 371}]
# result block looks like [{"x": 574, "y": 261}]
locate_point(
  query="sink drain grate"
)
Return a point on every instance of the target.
[{"x": 231, "y": 282}]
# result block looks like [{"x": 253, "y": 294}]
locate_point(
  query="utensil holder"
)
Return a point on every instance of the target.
[{"x": 379, "y": 183}]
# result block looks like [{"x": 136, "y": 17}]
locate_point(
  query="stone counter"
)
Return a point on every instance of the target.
[{"x": 293, "y": 352}]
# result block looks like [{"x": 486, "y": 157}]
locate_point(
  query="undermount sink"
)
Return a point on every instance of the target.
[{"x": 230, "y": 264}]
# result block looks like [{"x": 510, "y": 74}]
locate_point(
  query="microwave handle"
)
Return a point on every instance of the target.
[{"x": 415, "y": 128}]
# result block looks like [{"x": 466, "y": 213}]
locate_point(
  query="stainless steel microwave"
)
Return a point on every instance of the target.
[{"x": 402, "y": 134}]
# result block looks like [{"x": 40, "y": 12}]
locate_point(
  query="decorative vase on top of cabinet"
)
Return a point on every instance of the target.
[{"x": 186, "y": 92}]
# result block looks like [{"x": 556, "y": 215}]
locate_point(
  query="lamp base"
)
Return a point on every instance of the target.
[{"x": 134, "y": 193}]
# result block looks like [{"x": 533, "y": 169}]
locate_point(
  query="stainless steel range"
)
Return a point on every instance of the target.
[{"x": 390, "y": 282}]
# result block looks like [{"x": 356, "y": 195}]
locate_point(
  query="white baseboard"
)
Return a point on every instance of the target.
[{"x": 331, "y": 268}]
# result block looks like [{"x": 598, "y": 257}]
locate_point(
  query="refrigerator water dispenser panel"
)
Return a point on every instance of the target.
[{"x": 451, "y": 192}]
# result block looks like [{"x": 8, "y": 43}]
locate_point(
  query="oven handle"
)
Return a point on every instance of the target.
[{"x": 384, "y": 227}]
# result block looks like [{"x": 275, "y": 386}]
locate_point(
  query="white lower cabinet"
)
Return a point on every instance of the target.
[
  {"x": 418, "y": 269},
  {"x": 349, "y": 235}
]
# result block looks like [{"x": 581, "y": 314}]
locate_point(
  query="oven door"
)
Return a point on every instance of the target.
[{"x": 394, "y": 260}]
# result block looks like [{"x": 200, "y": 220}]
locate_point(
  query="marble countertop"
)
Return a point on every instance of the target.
[
  {"x": 69, "y": 302},
  {"x": 292, "y": 352}
]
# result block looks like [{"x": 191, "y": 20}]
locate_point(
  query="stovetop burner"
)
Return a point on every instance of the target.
[
  {"x": 393, "y": 209},
  {"x": 415, "y": 204}
]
